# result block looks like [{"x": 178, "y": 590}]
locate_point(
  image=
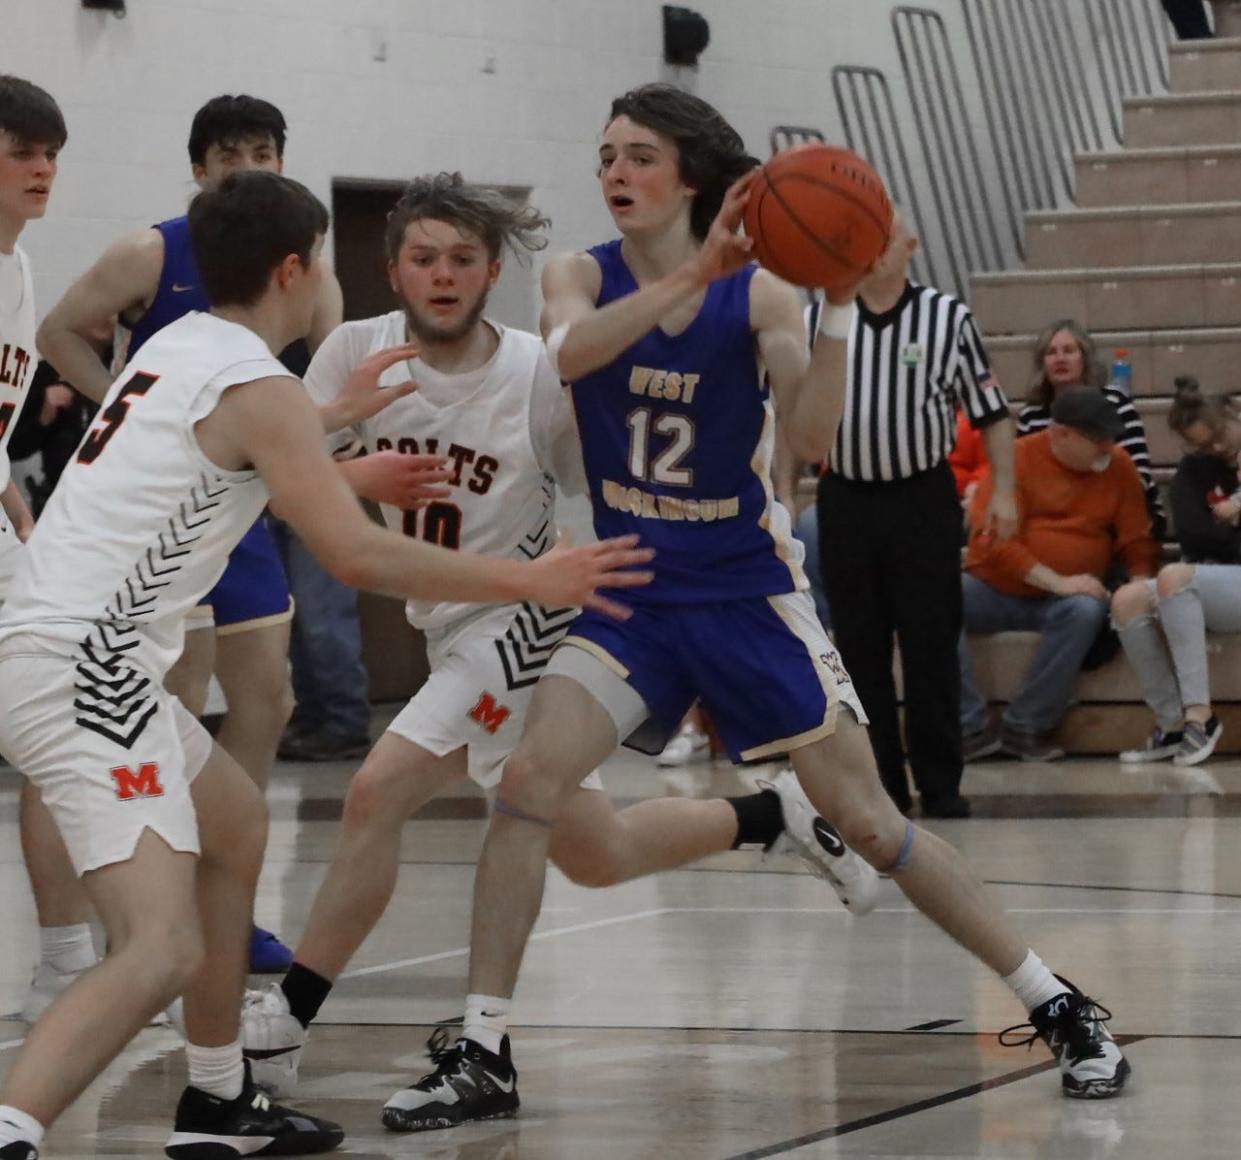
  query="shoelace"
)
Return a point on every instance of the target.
[
  {"x": 446, "y": 1057},
  {"x": 1077, "y": 1028}
]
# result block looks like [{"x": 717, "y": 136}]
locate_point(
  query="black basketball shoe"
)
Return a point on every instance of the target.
[
  {"x": 1091, "y": 1065},
  {"x": 209, "y": 1128},
  {"x": 19, "y": 1151},
  {"x": 468, "y": 1083}
]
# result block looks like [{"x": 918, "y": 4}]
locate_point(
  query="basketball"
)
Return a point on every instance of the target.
[{"x": 819, "y": 216}]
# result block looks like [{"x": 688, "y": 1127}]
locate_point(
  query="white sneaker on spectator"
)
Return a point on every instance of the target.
[
  {"x": 1199, "y": 741},
  {"x": 815, "y": 841},
  {"x": 1159, "y": 746},
  {"x": 689, "y": 745}
]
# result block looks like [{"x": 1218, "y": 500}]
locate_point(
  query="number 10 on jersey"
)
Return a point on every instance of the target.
[{"x": 437, "y": 523}]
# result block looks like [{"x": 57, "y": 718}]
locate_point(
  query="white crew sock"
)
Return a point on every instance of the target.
[
  {"x": 1033, "y": 983},
  {"x": 218, "y": 1071},
  {"x": 486, "y": 1020},
  {"x": 67, "y": 949},
  {"x": 18, "y": 1128}
]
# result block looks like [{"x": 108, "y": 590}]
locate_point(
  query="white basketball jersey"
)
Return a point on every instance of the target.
[
  {"x": 507, "y": 430},
  {"x": 18, "y": 358},
  {"x": 141, "y": 524}
]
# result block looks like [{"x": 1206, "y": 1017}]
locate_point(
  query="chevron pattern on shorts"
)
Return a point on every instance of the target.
[{"x": 527, "y": 645}]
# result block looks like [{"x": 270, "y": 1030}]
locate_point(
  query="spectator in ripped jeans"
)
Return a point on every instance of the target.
[{"x": 1163, "y": 622}]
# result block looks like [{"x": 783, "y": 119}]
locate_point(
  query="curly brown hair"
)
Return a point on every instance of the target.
[
  {"x": 710, "y": 152},
  {"x": 476, "y": 209},
  {"x": 1191, "y": 406}
]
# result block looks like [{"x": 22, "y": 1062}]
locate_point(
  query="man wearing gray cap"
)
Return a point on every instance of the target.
[{"x": 1081, "y": 508}]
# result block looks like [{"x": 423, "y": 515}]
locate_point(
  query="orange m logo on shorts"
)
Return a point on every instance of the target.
[
  {"x": 143, "y": 784},
  {"x": 489, "y": 713}
]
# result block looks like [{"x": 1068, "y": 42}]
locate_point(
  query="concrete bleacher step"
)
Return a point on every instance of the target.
[
  {"x": 1157, "y": 357},
  {"x": 1208, "y": 118},
  {"x": 1199, "y": 66},
  {"x": 1139, "y": 298},
  {"x": 1134, "y": 235},
  {"x": 1167, "y": 176},
  {"x": 1109, "y": 714}
]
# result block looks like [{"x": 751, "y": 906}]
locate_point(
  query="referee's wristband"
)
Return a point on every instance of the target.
[{"x": 837, "y": 321}]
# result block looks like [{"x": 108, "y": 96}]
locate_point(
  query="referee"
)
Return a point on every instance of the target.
[{"x": 890, "y": 523}]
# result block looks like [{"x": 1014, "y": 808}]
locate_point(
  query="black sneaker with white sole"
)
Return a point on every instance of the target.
[
  {"x": 1161, "y": 745},
  {"x": 1072, "y": 1026},
  {"x": 468, "y": 1083},
  {"x": 1198, "y": 741},
  {"x": 209, "y": 1128},
  {"x": 19, "y": 1151}
]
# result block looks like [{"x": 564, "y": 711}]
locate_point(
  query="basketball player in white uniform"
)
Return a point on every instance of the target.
[
  {"x": 166, "y": 829},
  {"x": 488, "y": 399},
  {"x": 32, "y": 132}
]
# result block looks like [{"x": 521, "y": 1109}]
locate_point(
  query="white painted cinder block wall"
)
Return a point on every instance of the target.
[{"x": 512, "y": 92}]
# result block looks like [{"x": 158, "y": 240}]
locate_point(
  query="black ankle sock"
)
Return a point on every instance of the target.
[
  {"x": 759, "y": 818},
  {"x": 305, "y": 992}
]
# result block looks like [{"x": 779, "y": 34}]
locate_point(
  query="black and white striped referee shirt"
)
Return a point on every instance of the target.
[{"x": 909, "y": 368}]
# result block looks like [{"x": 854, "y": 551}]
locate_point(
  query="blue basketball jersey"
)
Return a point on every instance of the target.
[
  {"x": 180, "y": 289},
  {"x": 677, "y": 437}
]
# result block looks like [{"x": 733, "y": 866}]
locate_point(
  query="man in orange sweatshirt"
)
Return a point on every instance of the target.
[{"x": 1081, "y": 507}]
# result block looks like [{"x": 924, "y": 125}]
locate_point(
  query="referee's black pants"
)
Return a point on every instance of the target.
[{"x": 891, "y": 556}]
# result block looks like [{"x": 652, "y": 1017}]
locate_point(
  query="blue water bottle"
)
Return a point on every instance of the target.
[{"x": 1122, "y": 372}]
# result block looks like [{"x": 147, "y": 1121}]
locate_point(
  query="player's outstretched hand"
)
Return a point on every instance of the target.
[
  {"x": 569, "y": 577},
  {"x": 362, "y": 396},
  {"x": 404, "y": 481},
  {"x": 725, "y": 250}
]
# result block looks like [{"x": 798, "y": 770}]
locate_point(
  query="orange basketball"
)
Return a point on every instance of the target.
[{"x": 819, "y": 216}]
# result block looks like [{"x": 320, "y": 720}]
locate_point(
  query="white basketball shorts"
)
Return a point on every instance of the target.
[
  {"x": 106, "y": 775},
  {"x": 482, "y": 678}
]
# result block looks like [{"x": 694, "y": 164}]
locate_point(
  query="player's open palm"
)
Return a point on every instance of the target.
[
  {"x": 569, "y": 576},
  {"x": 404, "y": 481},
  {"x": 362, "y": 396}
]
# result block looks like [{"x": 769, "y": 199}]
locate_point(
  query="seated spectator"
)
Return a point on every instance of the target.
[
  {"x": 1065, "y": 356},
  {"x": 1080, "y": 509},
  {"x": 1163, "y": 622},
  {"x": 1189, "y": 18},
  {"x": 968, "y": 458}
]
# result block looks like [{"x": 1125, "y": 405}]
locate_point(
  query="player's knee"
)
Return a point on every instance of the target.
[
  {"x": 1131, "y": 601},
  {"x": 1173, "y": 578},
  {"x": 871, "y": 830},
  {"x": 373, "y": 800}
]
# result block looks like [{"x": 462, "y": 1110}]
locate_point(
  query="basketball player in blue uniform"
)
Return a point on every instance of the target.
[{"x": 669, "y": 338}]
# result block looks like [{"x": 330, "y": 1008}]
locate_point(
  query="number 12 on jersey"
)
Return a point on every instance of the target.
[
  {"x": 437, "y": 523},
  {"x": 666, "y": 467}
]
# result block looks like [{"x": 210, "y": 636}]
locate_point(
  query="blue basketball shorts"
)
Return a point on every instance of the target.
[
  {"x": 253, "y": 591},
  {"x": 763, "y": 666}
]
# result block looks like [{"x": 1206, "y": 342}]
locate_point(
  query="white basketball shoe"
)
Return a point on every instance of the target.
[
  {"x": 815, "y": 841},
  {"x": 272, "y": 1040}
]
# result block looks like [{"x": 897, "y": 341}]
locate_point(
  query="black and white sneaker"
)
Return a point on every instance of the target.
[
  {"x": 468, "y": 1083},
  {"x": 19, "y": 1151},
  {"x": 209, "y": 1128},
  {"x": 1159, "y": 746},
  {"x": 1072, "y": 1025},
  {"x": 1199, "y": 741}
]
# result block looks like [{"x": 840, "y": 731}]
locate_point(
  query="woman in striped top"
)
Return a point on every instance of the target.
[{"x": 1065, "y": 356}]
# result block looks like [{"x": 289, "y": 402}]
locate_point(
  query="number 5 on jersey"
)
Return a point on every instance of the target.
[{"x": 108, "y": 423}]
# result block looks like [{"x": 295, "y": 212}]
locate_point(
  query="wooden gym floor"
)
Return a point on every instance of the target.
[{"x": 736, "y": 1011}]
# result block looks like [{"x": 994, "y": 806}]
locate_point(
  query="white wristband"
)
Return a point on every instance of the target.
[{"x": 837, "y": 321}]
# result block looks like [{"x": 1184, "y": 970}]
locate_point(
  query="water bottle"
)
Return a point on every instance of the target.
[{"x": 1122, "y": 372}]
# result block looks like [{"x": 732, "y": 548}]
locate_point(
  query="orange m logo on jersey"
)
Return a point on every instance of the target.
[
  {"x": 489, "y": 713},
  {"x": 143, "y": 784}
]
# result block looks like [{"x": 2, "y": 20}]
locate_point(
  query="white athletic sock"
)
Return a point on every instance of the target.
[
  {"x": 67, "y": 948},
  {"x": 486, "y": 1020},
  {"x": 1033, "y": 983},
  {"x": 218, "y": 1071},
  {"x": 18, "y": 1128}
]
